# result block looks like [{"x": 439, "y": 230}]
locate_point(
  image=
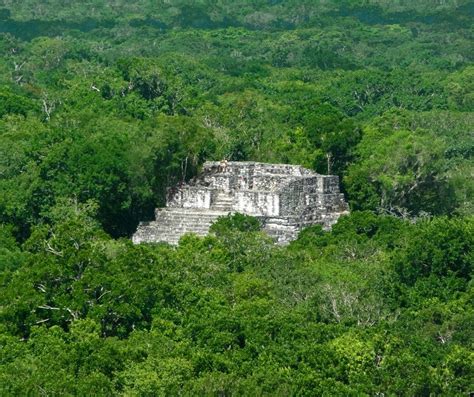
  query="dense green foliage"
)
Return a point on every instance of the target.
[{"x": 105, "y": 104}]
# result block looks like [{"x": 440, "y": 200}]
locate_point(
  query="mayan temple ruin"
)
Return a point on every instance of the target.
[{"x": 285, "y": 198}]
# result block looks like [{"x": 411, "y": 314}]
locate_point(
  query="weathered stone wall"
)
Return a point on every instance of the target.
[
  {"x": 257, "y": 203},
  {"x": 295, "y": 194},
  {"x": 330, "y": 184},
  {"x": 312, "y": 194},
  {"x": 249, "y": 175},
  {"x": 253, "y": 168},
  {"x": 191, "y": 197}
]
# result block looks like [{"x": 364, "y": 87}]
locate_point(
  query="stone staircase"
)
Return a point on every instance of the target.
[
  {"x": 172, "y": 223},
  {"x": 222, "y": 202}
]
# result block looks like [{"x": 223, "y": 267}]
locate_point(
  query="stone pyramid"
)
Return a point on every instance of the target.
[{"x": 285, "y": 198}]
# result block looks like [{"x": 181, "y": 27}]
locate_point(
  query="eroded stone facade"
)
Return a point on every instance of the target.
[{"x": 286, "y": 198}]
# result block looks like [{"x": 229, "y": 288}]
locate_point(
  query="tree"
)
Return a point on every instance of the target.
[
  {"x": 401, "y": 173},
  {"x": 440, "y": 247}
]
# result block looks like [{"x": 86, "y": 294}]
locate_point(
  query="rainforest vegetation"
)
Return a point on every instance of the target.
[{"x": 106, "y": 103}]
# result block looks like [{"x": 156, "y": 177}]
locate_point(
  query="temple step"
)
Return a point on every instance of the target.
[
  {"x": 172, "y": 223},
  {"x": 222, "y": 202}
]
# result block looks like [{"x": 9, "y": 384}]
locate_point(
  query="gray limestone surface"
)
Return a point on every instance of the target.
[{"x": 285, "y": 198}]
